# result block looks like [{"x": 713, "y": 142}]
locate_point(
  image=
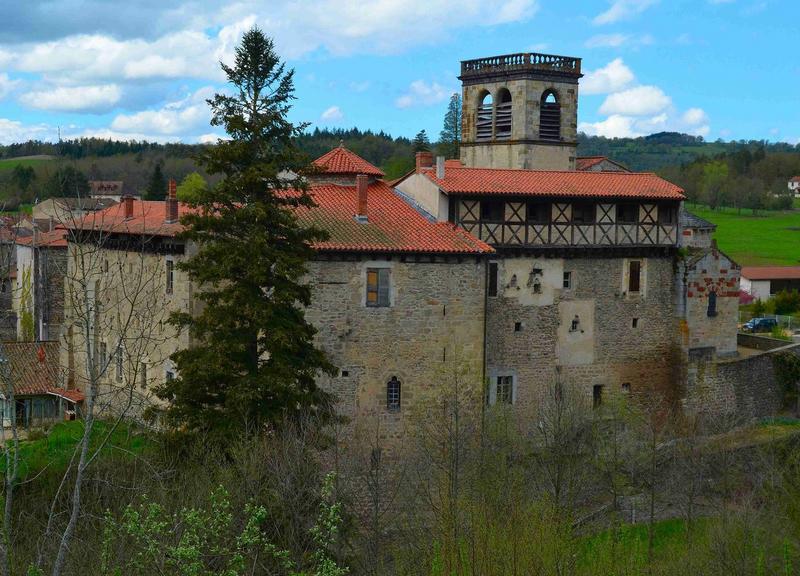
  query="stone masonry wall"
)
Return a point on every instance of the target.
[
  {"x": 433, "y": 328},
  {"x": 744, "y": 388},
  {"x": 620, "y": 338}
]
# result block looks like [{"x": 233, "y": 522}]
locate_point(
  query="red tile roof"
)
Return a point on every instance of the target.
[
  {"x": 795, "y": 179},
  {"x": 587, "y": 162},
  {"x": 568, "y": 184},
  {"x": 34, "y": 368},
  {"x": 771, "y": 272},
  {"x": 392, "y": 224},
  {"x": 53, "y": 239},
  {"x": 148, "y": 218},
  {"x": 342, "y": 161}
]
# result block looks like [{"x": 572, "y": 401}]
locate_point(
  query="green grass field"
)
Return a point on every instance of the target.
[
  {"x": 9, "y": 163},
  {"x": 768, "y": 238}
]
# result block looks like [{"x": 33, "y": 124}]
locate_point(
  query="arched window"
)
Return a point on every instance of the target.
[
  {"x": 483, "y": 123},
  {"x": 502, "y": 125},
  {"x": 550, "y": 117},
  {"x": 393, "y": 394}
]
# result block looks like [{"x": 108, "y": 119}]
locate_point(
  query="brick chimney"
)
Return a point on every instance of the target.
[
  {"x": 362, "y": 183},
  {"x": 424, "y": 160},
  {"x": 171, "y": 203},
  {"x": 127, "y": 201}
]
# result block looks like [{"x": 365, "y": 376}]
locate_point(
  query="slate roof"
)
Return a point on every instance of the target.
[
  {"x": 392, "y": 224},
  {"x": 34, "y": 368},
  {"x": 689, "y": 220},
  {"x": 771, "y": 272},
  {"x": 342, "y": 161},
  {"x": 565, "y": 184}
]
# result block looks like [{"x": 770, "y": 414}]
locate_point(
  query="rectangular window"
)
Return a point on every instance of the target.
[
  {"x": 627, "y": 213},
  {"x": 583, "y": 213},
  {"x": 634, "y": 276},
  {"x": 393, "y": 395},
  {"x": 597, "y": 395},
  {"x": 567, "y": 280},
  {"x": 538, "y": 212},
  {"x": 102, "y": 357},
  {"x": 378, "y": 287},
  {"x": 143, "y": 375},
  {"x": 635, "y": 323},
  {"x": 170, "y": 376},
  {"x": 492, "y": 210},
  {"x": 493, "y": 280},
  {"x": 504, "y": 393},
  {"x": 170, "y": 275},
  {"x": 120, "y": 362},
  {"x": 667, "y": 215}
]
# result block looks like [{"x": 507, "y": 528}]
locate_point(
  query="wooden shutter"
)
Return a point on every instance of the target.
[
  {"x": 372, "y": 287},
  {"x": 634, "y": 276},
  {"x": 383, "y": 287}
]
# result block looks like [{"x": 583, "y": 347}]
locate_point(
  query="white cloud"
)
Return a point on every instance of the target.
[
  {"x": 420, "y": 93},
  {"x": 607, "y": 41},
  {"x": 332, "y": 115},
  {"x": 7, "y": 85},
  {"x": 695, "y": 117},
  {"x": 612, "y": 77},
  {"x": 615, "y": 126},
  {"x": 74, "y": 98},
  {"x": 13, "y": 131},
  {"x": 185, "y": 116},
  {"x": 638, "y": 101},
  {"x": 622, "y": 10}
]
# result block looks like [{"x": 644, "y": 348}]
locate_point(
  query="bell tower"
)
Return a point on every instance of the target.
[{"x": 520, "y": 111}]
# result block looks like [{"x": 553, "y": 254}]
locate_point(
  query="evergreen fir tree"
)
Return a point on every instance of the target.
[
  {"x": 450, "y": 136},
  {"x": 421, "y": 142},
  {"x": 157, "y": 184},
  {"x": 253, "y": 361}
]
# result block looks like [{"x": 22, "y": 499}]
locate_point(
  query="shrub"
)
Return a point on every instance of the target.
[{"x": 787, "y": 302}]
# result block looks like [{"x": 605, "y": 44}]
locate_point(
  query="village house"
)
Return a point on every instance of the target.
[
  {"x": 598, "y": 164},
  {"x": 763, "y": 282},
  {"x": 794, "y": 185}
]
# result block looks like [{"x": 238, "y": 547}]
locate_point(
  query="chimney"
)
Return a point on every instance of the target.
[
  {"x": 171, "y": 203},
  {"x": 362, "y": 181},
  {"x": 424, "y": 160},
  {"x": 440, "y": 167},
  {"x": 128, "y": 202}
]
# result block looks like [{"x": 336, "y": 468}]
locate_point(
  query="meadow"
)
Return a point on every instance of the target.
[{"x": 761, "y": 239}]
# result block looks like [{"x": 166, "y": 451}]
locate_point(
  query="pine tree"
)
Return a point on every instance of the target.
[
  {"x": 253, "y": 361},
  {"x": 421, "y": 142},
  {"x": 450, "y": 136},
  {"x": 157, "y": 184}
]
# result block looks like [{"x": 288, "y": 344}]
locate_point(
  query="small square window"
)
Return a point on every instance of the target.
[
  {"x": 378, "y": 287},
  {"x": 583, "y": 213},
  {"x": 626, "y": 387},
  {"x": 170, "y": 376},
  {"x": 492, "y": 210},
  {"x": 517, "y": 326},
  {"x": 635, "y": 323},
  {"x": 627, "y": 213},
  {"x": 567, "y": 280},
  {"x": 345, "y": 373},
  {"x": 538, "y": 212}
]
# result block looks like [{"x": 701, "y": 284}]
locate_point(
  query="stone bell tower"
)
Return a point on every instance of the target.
[{"x": 520, "y": 111}]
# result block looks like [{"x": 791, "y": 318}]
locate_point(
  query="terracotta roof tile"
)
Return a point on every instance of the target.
[
  {"x": 148, "y": 218},
  {"x": 568, "y": 184},
  {"x": 392, "y": 224},
  {"x": 342, "y": 161},
  {"x": 53, "y": 239},
  {"x": 771, "y": 272}
]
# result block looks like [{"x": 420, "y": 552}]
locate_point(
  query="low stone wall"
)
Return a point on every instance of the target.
[
  {"x": 759, "y": 342},
  {"x": 744, "y": 388}
]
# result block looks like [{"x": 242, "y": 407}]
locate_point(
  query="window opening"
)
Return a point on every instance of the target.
[
  {"x": 550, "y": 117},
  {"x": 503, "y": 116},
  {"x": 597, "y": 395},
  {"x": 567, "y": 280},
  {"x": 635, "y": 323},
  {"x": 712, "y": 304},
  {"x": 538, "y": 212},
  {"x": 378, "y": 287},
  {"x": 627, "y": 213},
  {"x": 170, "y": 275},
  {"x": 583, "y": 213},
  {"x": 485, "y": 118},
  {"x": 492, "y": 210},
  {"x": 505, "y": 390},
  {"x": 517, "y": 326},
  {"x": 493, "y": 279},
  {"x": 393, "y": 394},
  {"x": 634, "y": 276}
]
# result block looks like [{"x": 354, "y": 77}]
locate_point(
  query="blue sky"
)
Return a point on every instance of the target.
[{"x": 143, "y": 68}]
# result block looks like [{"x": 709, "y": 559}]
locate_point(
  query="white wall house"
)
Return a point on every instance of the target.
[
  {"x": 763, "y": 282},
  {"x": 794, "y": 186}
]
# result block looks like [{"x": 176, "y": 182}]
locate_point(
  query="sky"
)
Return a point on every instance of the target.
[{"x": 143, "y": 69}]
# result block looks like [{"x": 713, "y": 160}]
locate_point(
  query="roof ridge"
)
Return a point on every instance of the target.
[{"x": 531, "y": 170}]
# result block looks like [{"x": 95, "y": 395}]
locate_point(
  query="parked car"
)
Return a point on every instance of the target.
[{"x": 760, "y": 325}]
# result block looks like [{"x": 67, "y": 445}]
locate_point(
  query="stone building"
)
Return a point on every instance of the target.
[
  {"x": 598, "y": 164},
  {"x": 396, "y": 295},
  {"x": 38, "y": 296}
]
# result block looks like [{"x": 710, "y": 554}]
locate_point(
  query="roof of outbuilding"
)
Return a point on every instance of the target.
[
  {"x": 56, "y": 238},
  {"x": 567, "y": 184},
  {"x": 587, "y": 162},
  {"x": 340, "y": 160},
  {"x": 392, "y": 224},
  {"x": 689, "y": 220},
  {"x": 148, "y": 219},
  {"x": 771, "y": 272},
  {"x": 34, "y": 369}
]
